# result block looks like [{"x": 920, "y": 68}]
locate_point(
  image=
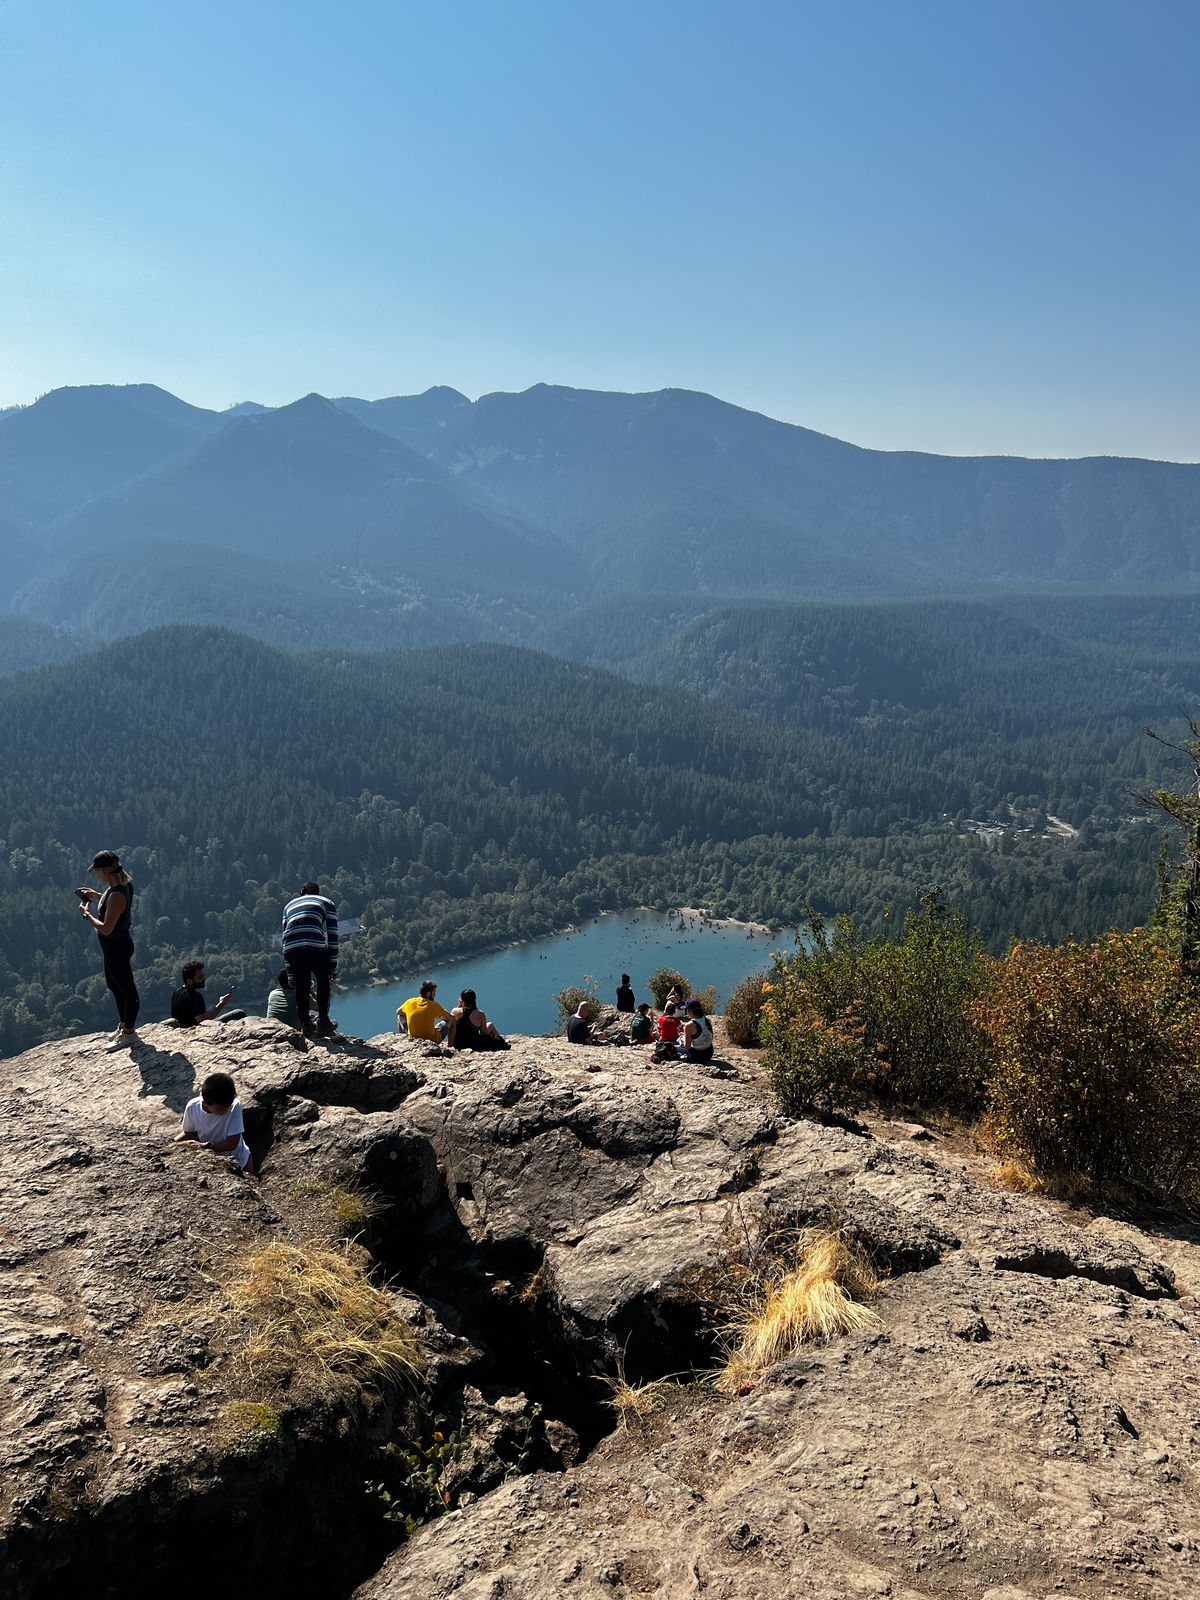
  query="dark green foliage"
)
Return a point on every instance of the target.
[
  {"x": 1177, "y": 907},
  {"x": 850, "y": 1015},
  {"x": 918, "y": 995},
  {"x": 814, "y": 1049},
  {"x": 1032, "y": 700},
  {"x": 743, "y": 1010},
  {"x": 418, "y": 1474}
]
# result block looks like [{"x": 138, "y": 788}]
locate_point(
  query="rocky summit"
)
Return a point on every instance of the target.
[{"x": 548, "y": 1226}]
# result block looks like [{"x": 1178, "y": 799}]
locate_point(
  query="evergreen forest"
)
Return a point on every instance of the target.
[{"x": 757, "y": 759}]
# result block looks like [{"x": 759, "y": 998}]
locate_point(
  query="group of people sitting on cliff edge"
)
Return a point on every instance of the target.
[{"x": 682, "y": 1031}]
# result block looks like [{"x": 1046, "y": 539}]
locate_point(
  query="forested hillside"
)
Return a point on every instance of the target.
[
  {"x": 25, "y": 644},
  {"x": 453, "y": 797},
  {"x": 1038, "y": 699}
]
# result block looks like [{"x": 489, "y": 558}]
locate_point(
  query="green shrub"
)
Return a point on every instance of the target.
[
  {"x": 918, "y": 998},
  {"x": 661, "y": 983},
  {"x": 848, "y": 1016},
  {"x": 743, "y": 1010},
  {"x": 418, "y": 1474},
  {"x": 568, "y": 1001},
  {"x": 1095, "y": 1053},
  {"x": 813, "y": 1063}
]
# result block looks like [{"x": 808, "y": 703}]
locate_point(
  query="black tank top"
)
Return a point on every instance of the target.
[
  {"x": 466, "y": 1035},
  {"x": 120, "y": 930}
]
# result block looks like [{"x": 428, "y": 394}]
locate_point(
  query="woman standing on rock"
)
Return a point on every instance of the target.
[{"x": 111, "y": 920}]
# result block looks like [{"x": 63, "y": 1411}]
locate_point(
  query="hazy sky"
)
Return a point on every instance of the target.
[{"x": 964, "y": 226}]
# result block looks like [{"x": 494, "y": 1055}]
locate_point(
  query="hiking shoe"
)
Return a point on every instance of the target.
[
  {"x": 121, "y": 1040},
  {"x": 326, "y": 1028}
]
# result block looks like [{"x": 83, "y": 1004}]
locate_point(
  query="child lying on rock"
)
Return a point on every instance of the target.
[{"x": 213, "y": 1121}]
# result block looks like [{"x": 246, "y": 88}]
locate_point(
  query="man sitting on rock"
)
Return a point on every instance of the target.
[
  {"x": 422, "y": 1017},
  {"x": 187, "y": 1003},
  {"x": 281, "y": 1002},
  {"x": 579, "y": 1030}
]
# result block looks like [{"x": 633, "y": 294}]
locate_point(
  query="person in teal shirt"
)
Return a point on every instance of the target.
[{"x": 641, "y": 1029}]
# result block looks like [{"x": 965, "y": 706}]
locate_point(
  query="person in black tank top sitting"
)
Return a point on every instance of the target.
[{"x": 469, "y": 1027}]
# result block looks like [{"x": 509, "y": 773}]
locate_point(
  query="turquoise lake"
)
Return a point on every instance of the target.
[{"x": 516, "y": 986}]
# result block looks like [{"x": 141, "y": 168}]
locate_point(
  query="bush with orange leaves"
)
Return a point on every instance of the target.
[{"x": 1096, "y": 1062}]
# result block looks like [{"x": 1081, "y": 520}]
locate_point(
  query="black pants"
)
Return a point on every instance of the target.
[
  {"x": 118, "y": 975},
  {"x": 306, "y": 966}
]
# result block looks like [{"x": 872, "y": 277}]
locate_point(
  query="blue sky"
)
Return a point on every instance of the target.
[{"x": 957, "y": 225}]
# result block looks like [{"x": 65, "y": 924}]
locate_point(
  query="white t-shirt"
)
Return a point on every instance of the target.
[{"x": 213, "y": 1127}]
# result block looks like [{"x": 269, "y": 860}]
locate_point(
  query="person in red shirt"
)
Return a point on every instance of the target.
[{"x": 669, "y": 1024}]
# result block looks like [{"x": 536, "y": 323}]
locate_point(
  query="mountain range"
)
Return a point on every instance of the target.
[{"x": 425, "y": 518}]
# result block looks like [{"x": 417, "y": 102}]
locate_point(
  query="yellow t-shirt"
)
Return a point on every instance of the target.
[{"x": 421, "y": 1014}]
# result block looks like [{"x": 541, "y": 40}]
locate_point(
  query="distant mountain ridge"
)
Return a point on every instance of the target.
[
  {"x": 730, "y": 489},
  {"x": 501, "y": 516},
  {"x": 328, "y": 500}
]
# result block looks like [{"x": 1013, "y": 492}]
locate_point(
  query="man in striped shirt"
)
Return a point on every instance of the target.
[{"x": 310, "y": 949}]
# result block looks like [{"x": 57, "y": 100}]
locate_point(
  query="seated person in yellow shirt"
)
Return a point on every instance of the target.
[{"x": 422, "y": 1017}]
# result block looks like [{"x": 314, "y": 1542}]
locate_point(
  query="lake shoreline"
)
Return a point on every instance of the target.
[
  {"x": 379, "y": 981},
  {"x": 759, "y": 928}
]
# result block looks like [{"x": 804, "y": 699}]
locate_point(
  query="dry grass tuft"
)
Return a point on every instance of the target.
[
  {"x": 1073, "y": 1187},
  {"x": 318, "y": 1325},
  {"x": 812, "y": 1303},
  {"x": 352, "y": 1208},
  {"x": 1015, "y": 1175},
  {"x": 635, "y": 1402}
]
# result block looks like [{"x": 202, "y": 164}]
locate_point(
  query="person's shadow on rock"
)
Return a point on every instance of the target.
[{"x": 169, "y": 1073}]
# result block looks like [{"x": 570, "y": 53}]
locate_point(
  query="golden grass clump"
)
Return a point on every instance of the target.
[
  {"x": 634, "y": 1402},
  {"x": 1015, "y": 1175},
  {"x": 318, "y": 1325},
  {"x": 812, "y": 1303},
  {"x": 352, "y": 1208}
]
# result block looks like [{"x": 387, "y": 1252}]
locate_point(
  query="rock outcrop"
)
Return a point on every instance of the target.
[{"x": 1023, "y": 1422}]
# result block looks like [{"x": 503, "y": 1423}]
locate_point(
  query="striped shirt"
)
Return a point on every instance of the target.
[{"x": 310, "y": 923}]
